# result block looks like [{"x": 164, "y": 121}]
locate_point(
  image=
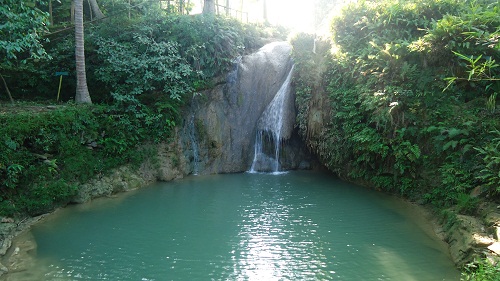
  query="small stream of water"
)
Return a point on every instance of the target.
[{"x": 292, "y": 226}]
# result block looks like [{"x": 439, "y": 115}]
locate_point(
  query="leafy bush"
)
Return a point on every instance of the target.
[
  {"x": 141, "y": 65},
  {"x": 44, "y": 155},
  {"x": 196, "y": 48},
  {"x": 482, "y": 270},
  {"x": 490, "y": 167}
]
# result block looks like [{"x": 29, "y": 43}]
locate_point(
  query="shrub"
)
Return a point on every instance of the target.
[{"x": 44, "y": 155}]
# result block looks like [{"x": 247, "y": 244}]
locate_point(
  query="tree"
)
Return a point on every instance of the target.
[
  {"x": 96, "y": 11},
  {"x": 82, "y": 91},
  {"x": 21, "y": 34},
  {"x": 266, "y": 20},
  {"x": 209, "y": 7}
]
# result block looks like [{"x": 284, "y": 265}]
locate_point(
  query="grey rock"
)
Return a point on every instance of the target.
[{"x": 226, "y": 118}]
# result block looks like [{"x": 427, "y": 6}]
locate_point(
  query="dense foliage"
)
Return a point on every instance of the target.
[
  {"x": 44, "y": 155},
  {"x": 141, "y": 70},
  {"x": 196, "y": 48},
  {"x": 390, "y": 124},
  {"x": 21, "y": 35},
  {"x": 404, "y": 98}
]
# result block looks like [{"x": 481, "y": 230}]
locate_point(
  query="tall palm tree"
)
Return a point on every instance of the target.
[
  {"x": 96, "y": 10},
  {"x": 209, "y": 7},
  {"x": 82, "y": 91}
]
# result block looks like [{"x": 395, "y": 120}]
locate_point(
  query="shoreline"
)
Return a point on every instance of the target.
[{"x": 462, "y": 240}]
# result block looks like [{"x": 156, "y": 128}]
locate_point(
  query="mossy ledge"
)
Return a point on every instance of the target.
[{"x": 16, "y": 242}]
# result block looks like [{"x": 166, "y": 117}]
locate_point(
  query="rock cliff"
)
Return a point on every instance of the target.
[{"x": 219, "y": 131}]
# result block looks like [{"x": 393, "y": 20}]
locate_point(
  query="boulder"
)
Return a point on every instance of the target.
[
  {"x": 467, "y": 238},
  {"x": 495, "y": 248}
]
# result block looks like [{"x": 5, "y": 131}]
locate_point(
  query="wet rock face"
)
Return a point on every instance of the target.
[{"x": 225, "y": 118}]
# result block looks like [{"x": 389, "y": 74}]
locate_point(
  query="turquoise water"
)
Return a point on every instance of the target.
[{"x": 294, "y": 226}]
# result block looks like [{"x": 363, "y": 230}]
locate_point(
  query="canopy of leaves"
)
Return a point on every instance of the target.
[{"x": 22, "y": 30}]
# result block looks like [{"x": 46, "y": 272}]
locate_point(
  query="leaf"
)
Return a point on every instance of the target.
[
  {"x": 453, "y": 132},
  {"x": 449, "y": 144}
]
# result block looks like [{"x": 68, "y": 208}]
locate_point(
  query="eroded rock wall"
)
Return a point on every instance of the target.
[
  {"x": 225, "y": 118},
  {"x": 168, "y": 164}
]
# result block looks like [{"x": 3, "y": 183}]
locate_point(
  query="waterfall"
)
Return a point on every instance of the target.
[
  {"x": 252, "y": 105},
  {"x": 274, "y": 124},
  {"x": 193, "y": 139}
]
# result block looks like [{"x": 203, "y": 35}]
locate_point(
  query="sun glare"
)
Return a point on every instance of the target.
[{"x": 296, "y": 14}]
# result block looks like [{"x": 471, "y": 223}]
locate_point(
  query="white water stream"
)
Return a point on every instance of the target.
[{"x": 272, "y": 124}]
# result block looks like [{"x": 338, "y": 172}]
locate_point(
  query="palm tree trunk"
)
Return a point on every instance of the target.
[
  {"x": 82, "y": 91},
  {"x": 90, "y": 11},
  {"x": 96, "y": 10}
]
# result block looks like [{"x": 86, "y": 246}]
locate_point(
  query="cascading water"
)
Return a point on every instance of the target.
[
  {"x": 194, "y": 145},
  {"x": 274, "y": 123},
  {"x": 222, "y": 126},
  {"x": 193, "y": 139}
]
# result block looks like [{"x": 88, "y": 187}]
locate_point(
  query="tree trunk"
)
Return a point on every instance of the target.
[
  {"x": 7, "y": 88},
  {"x": 241, "y": 11},
  {"x": 73, "y": 11},
  {"x": 209, "y": 7},
  {"x": 51, "y": 16},
  {"x": 227, "y": 8},
  {"x": 82, "y": 91},
  {"x": 266, "y": 20},
  {"x": 181, "y": 7},
  {"x": 90, "y": 11},
  {"x": 96, "y": 10}
]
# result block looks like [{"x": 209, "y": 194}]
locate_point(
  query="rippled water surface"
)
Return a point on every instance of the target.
[{"x": 294, "y": 226}]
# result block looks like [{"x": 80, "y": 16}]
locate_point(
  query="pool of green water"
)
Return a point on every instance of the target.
[{"x": 292, "y": 226}]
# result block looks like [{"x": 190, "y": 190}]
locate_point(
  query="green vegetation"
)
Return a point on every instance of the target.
[
  {"x": 44, "y": 155},
  {"x": 481, "y": 271},
  {"x": 141, "y": 70},
  {"x": 410, "y": 91},
  {"x": 402, "y": 98}
]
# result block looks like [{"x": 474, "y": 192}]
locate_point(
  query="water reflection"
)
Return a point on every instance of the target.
[
  {"x": 273, "y": 243},
  {"x": 295, "y": 226}
]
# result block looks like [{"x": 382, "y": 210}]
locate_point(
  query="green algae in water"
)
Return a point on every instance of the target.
[{"x": 293, "y": 226}]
